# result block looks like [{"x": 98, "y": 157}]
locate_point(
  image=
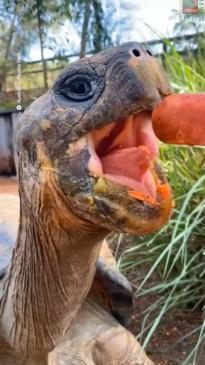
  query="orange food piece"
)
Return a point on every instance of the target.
[
  {"x": 140, "y": 196},
  {"x": 164, "y": 191},
  {"x": 180, "y": 119}
]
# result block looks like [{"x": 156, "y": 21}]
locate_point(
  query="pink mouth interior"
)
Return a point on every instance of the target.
[{"x": 124, "y": 153}]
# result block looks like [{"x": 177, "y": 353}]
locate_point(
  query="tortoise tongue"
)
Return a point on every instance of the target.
[
  {"x": 131, "y": 162},
  {"x": 130, "y": 167}
]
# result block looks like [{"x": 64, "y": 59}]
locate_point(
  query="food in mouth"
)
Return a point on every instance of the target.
[{"x": 125, "y": 153}]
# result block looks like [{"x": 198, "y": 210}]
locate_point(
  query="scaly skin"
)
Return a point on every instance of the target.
[
  {"x": 66, "y": 212},
  {"x": 93, "y": 325}
]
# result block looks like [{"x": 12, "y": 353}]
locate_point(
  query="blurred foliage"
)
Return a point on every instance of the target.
[
  {"x": 99, "y": 25},
  {"x": 186, "y": 74},
  {"x": 36, "y": 22}
]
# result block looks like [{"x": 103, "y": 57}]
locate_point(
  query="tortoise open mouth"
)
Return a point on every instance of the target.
[
  {"x": 127, "y": 190},
  {"x": 125, "y": 153}
]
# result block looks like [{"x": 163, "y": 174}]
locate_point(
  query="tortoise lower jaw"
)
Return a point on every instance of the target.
[{"x": 140, "y": 214}]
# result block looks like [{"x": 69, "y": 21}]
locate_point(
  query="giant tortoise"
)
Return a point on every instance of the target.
[{"x": 86, "y": 160}]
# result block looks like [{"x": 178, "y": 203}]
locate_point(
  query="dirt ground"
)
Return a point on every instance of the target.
[
  {"x": 171, "y": 342},
  {"x": 167, "y": 346},
  {"x": 8, "y": 185}
]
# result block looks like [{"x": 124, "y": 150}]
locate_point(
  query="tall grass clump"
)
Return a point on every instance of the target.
[{"x": 174, "y": 258}]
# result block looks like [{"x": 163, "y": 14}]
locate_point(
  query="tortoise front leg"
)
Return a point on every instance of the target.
[{"x": 97, "y": 338}]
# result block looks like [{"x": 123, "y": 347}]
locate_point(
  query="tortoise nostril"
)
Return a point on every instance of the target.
[
  {"x": 136, "y": 52},
  {"x": 149, "y": 53}
]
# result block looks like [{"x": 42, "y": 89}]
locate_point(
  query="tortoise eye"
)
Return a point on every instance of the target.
[{"x": 78, "y": 88}]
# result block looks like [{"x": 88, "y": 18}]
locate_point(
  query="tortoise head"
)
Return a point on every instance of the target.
[{"x": 91, "y": 137}]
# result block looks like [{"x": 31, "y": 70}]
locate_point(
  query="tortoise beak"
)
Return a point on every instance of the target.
[{"x": 152, "y": 77}]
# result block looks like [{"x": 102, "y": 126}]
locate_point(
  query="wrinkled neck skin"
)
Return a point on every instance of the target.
[{"x": 50, "y": 274}]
